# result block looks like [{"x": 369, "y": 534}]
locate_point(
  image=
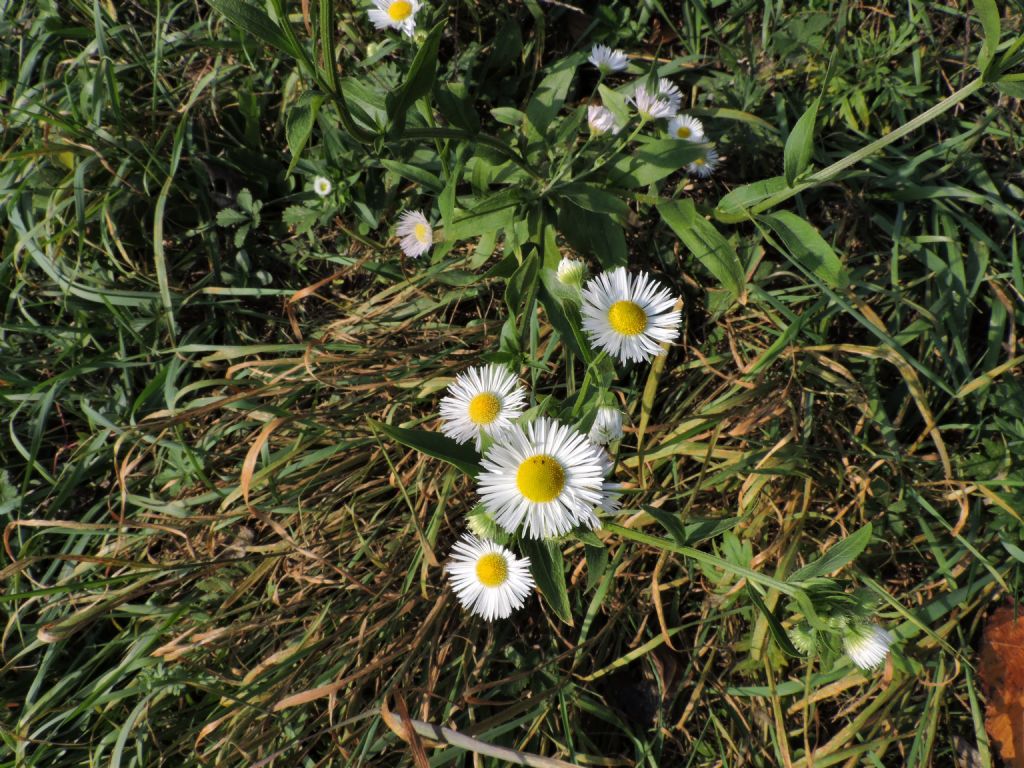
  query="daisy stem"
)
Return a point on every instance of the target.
[
  {"x": 705, "y": 558},
  {"x": 586, "y": 382},
  {"x": 827, "y": 174}
]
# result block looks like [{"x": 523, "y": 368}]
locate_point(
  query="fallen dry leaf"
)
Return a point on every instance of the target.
[{"x": 1002, "y": 674}]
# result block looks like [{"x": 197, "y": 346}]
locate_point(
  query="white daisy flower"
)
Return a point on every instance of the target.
[
  {"x": 629, "y": 316},
  {"x": 607, "y": 426},
  {"x": 488, "y": 579},
  {"x": 395, "y": 14},
  {"x": 483, "y": 400},
  {"x": 686, "y": 128},
  {"x": 649, "y": 106},
  {"x": 867, "y": 644},
  {"x": 322, "y": 186},
  {"x": 669, "y": 91},
  {"x": 607, "y": 60},
  {"x": 704, "y": 166},
  {"x": 601, "y": 120},
  {"x": 546, "y": 477},
  {"x": 571, "y": 271},
  {"x": 416, "y": 233}
]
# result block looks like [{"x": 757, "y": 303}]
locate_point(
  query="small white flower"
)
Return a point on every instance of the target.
[
  {"x": 488, "y": 579},
  {"x": 686, "y": 128},
  {"x": 322, "y": 186},
  {"x": 395, "y": 14},
  {"x": 703, "y": 167},
  {"x": 607, "y": 425},
  {"x": 601, "y": 120},
  {"x": 545, "y": 477},
  {"x": 866, "y": 643},
  {"x": 669, "y": 91},
  {"x": 607, "y": 60},
  {"x": 650, "y": 106},
  {"x": 629, "y": 316},
  {"x": 571, "y": 271},
  {"x": 416, "y": 233},
  {"x": 481, "y": 401}
]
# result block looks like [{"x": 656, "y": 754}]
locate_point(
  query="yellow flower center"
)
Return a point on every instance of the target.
[
  {"x": 540, "y": 478},
  {"x": 484, "y": 408},
  {"x": 683, "y": 132},
  {"x": 700, "y": 161},
  {"x": 421, "y": 232},
  {"x": 399, "y": 10},
  {"x": 492, "y": 570},
  {"x": 627, "y": 318}
]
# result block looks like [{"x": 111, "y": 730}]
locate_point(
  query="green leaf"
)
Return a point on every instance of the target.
[
  {"x": 808, "y": 248},
  {"x": 230, "y": 217},
  {"x": 255, "y": 22},
  {"x": 615, "y": 102},
  {"x": 838, "y": 556},
  {"x": 597, "y": 564},
  {"x": 414, "y": 173},
  {"x": 800, "y": 144},
  {"x": 549, "y": 97},
  {"x": 652, "y": 161},
  {"x": 733, "y": 207},
  {"x": 433, "y": 444},
  {"x": 299, "y": 122},
  {"x": 476, "y": 224},
  {"x": 670, "y": 522},
  {"x": 774, "y": 625},
  {"x": 418, "y": 82},
  {"x": 523, "y": 284},
  {"x": 988, "y": 14},
  {"x": 563, "y": 314},
  {"x": 706, "y": 244},
  {"x": 548, "y": 571},
  {"x": 592, "y": 198}
]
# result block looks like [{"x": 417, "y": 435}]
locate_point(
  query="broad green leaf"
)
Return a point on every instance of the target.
[
  {"x": 839, "y": 555},
  {"x": 433, "y": 444},
  {"x": 476, "y": 224},
  {"x": 808, "y": 248},
  {"x": 597, "y": 564},
  {"x": 522, "y": 286},
  {"x": 670, "y": 521},
  {"x": 734, "y": 206},
  {"x": 652, "y": 161},
  {"x": 414, "y": 173},
  {"x": 594, "y": 234},
  {"x": 418, "y": 82},
  {"x": 774, "y": 625},
  {"x": 988, "y": 14},
  {"x": 800, "y": 144},
  {"x": 549, "y": 96},
  {"x": 706, "y": 243},
  {"x": 255, "y": 22},
  {"x": 595, "y": 199},
  {"x": 299, "y": 124},
  {"x": 549, "y": 573},
  {"x": 563, "y": 315},
  {"x": 615, "y": 102}
]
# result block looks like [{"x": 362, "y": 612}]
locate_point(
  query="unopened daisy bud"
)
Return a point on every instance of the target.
[
  {"x": 481, "y": 524},
  {"x": 601, "y": 120},
  {"x": 395, "y": 14},
  {"x": 606, "y": 60},
  {"x": 416, "y": 233},
  {"x": 866, "y": 643},
  {"x": 704, "y": 166},
  {"x": 571, "y": 271},
  {"x": 802, "y": 638},
  {"x": 607, "y": 426},
  {"x": 686, "y": 128},
  {"x": 322, "y": 186},
  {"x": 487, "y": 578},
  {"x": 372, "y": 49},
  {"x": 669, "y": 91},
  {"x": 649, "y": 105}
]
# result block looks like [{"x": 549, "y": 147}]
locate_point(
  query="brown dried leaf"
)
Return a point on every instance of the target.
[{"x": 1002, "y": 673}]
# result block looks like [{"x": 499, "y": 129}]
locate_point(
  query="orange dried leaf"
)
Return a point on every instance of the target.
[{"x": 1002, "y": 674}]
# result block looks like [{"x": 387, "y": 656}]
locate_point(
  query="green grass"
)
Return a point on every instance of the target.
[{"x": 214, "y": 555}]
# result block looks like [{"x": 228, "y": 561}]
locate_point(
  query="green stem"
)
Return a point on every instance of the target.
[
  {"x": 829, "y": 173},
  {"x": 703, "y": 557}
]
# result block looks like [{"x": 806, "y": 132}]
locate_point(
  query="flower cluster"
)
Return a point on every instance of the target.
[
  {"x": 543, "y": 478},
  {"x": 651, "y": 104}
]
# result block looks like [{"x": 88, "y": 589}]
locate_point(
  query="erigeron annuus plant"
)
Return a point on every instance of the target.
[{"x": 600, "y": 140}]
